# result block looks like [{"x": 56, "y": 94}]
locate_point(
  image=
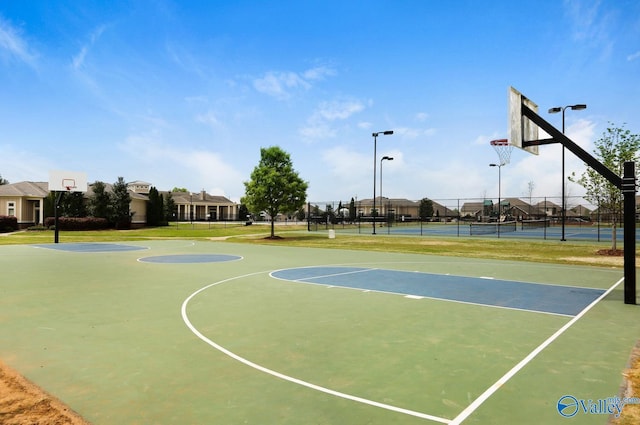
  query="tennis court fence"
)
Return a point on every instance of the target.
[{"x": 533, "y": 217}]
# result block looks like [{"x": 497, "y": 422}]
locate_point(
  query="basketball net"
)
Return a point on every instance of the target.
[{"x": 503, "y": 148}]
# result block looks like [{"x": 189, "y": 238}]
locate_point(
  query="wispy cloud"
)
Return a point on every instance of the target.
[
  {"x": 78, "y": 60},
  {"x": 208, "y": 166},
  {"x": 591, "y": 24},
  {"x": 13, "y": 45},
  {"x": 283, "y": 84},
  {"x": 634, "y": 56},
  {"x": 209, "y": 118},
  {"x": 319, "y": 123}
]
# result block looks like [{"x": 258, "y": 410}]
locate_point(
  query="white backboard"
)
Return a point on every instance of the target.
[
  {"x": 67, "y": 181},
  {"x": 521, "y": 128}
]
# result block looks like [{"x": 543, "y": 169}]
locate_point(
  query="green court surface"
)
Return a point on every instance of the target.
[{"x": 124, "y": 337}]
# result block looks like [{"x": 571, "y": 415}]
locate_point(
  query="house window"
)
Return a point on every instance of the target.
[{"x": 11, "y": 209}]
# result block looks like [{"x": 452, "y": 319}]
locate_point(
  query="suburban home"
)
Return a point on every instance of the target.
[
  {"x": 402, "y": 209},
  {"x": 25, "y": 200}
]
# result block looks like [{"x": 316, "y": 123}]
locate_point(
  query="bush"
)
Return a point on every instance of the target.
[
  {"x": 77, "y": 223},
  {"x": 8, "y": 223}
]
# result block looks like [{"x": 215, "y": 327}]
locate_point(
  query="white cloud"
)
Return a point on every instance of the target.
[
  {"x": 422, "y": 116},
  {"x": 154, "y": 159},
  {"x": 318, "y": 124},
  {"x": 318, "y": 73},
  {"x": 209, "y": 118},
  {"x": 337, "y": 110},
  {"x": 78, "y": 60},
  {"x": 634, "y": 56},
  {"x": 282, "y": 85},
  {"x": 12, "y": 45}
]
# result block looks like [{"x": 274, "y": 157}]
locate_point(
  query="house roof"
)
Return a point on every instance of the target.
[{"x": 29, "y": 189}]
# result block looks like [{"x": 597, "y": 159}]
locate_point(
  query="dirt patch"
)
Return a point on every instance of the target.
[
  {"x": 630, "y": 388},
  {"x": 23, "y": 403},
  {"x": 611, "y": 252}
]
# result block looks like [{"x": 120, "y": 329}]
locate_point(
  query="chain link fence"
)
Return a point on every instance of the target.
[{"x": 524, "y": 217}]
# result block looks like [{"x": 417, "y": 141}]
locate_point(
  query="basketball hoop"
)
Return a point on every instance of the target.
[{"x": 503, "y": 148}]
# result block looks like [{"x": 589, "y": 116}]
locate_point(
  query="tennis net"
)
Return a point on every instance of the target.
[{"x": 489, "y": 228}]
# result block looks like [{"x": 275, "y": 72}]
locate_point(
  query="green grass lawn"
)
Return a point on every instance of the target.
[{"x": 546, "y": 251}]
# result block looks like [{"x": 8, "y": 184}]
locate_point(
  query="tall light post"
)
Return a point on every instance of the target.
[
  {"x": 499, "y": 191},
  {"x": 375, "y": 160},
  {"x": 576, "y": 107},
  {"x": 387, "y": 158}
]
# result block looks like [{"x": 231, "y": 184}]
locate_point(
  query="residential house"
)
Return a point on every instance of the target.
[{"x": 25, "y": 200}]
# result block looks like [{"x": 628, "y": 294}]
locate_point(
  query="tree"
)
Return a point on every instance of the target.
[
  {"x": 425, "y": 210},
  {"x": 155, "y": 208},
  {"x": 99, "y": 203},
  {"x": 120, "y": 203},
  {"x": 72, "y": 204},
  {"x": 169, "y": 208},
  {"x": 616, "y": 146},
  {"x": 352, "y": 209},
  {"x": 3, "y": 181},
  {"x": 274, "y": 186}
]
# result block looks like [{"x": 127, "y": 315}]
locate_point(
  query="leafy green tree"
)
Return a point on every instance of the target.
[
  {"x": 616, "y": 146},
  {"x": 425, "y": 210},
  {"x": 3, "y": 181},
  {"x": 274, "y": 186},
  {"x": 72, "y": 204},
  {"x": 180, "y": 189},
  {"x": 99, "y": 203},
  {"x": 169, "y": 208},
  {"x": 120, "y": 203}
]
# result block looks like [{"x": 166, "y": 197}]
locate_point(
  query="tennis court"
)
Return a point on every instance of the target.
[
  {"x": 488, "y": 230},
  {"x": 175, "y": 332}
]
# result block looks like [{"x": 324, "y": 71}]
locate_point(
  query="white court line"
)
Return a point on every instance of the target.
[
  {"x": 322, "y": 276},
  {"x": 249, "y": 363},
  {"x": 507, "y": 376}
]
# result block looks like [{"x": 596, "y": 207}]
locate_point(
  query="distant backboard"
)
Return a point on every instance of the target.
[
  {"x": 520, "y": 128},
  {"x": 67, "y": 181}
]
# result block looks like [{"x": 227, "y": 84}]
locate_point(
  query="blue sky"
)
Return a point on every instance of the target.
[{"x": 186, "y": 93}]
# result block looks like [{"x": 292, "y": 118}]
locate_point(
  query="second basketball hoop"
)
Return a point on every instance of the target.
[{"x": 503, "y": 148}]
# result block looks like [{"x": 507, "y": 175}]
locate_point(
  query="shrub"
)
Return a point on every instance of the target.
[
  {"x": 8, "y": 223},
  {"x": 77, "y": 223}
]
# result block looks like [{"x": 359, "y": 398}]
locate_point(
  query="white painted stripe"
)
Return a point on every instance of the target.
[
  {"x": 234, "y": 356},
  {"x": 413, "y": 297},
  {"x": 507, "y": 376}
]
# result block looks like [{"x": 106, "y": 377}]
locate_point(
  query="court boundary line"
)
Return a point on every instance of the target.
[
  {"x": 520, "y": 365},
  {"x": 288, "y": 378}
]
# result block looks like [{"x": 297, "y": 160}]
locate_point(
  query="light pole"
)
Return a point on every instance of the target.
[
  {"x": 576, "y": 107},
  {"x": 388, "y": 158},
  {"x": 499, "y": 191},
  {"x": 375, "y": 160}
]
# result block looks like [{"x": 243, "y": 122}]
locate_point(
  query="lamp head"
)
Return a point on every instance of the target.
[
  {"x": 555, "y": 110},
  {"x": 578, "y": 107},
  {"x": 388, "y": 158}
]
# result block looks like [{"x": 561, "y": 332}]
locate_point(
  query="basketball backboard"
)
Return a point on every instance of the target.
[
  {"x": 67, "y": 181},
  {"x": 521, "y": 129}
]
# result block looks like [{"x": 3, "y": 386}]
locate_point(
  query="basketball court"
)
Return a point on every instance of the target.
[
  {"x": 183, "y": 332},
  {"x": 177, "y": 332}
]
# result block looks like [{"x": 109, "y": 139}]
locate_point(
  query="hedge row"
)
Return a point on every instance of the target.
[
  {"x": 8, "y": 223},
  {"x": 77, "y": 223}
]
